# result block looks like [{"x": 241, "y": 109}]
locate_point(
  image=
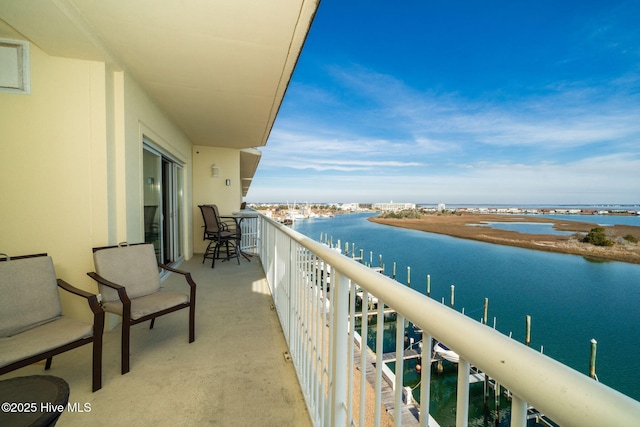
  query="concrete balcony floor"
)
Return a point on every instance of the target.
[{"x": 233, "y": 374}]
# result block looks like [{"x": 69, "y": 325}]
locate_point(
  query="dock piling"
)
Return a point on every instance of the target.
[
  {"x": 453, "y": 295},
  {"x": 485, "y": 311},
  {"x": 592, "y": 360}
]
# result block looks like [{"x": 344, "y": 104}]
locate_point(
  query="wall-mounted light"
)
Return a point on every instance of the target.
[
  {"x": 215, "y": 171},
  {"x": 228, "y": 182}
]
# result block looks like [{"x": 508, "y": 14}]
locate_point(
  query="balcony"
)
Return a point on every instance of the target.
[
  {"x": 234, "y": 373},
  {"x": 275, "y": 345}
]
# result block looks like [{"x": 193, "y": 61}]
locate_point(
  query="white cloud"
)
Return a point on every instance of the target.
[
  {"x": 605, "y": 179},
  {"x": 567, "y": 116},
  {"x": 570, "y": 145}
]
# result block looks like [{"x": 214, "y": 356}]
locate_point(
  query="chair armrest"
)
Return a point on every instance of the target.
[
  {"x": 122, "y": 291},
  {"x": 186, "y": 274},
  {"x": 94, "y": 304},
  {"x": 229, "y": 221},
  {"x": 91, "y": 298}
]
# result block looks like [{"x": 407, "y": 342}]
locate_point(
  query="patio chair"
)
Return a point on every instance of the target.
[
  {"x": 129, "y": 281},
  {"x": 32, "y": 326},
  {"x": 219, "y": 234}
]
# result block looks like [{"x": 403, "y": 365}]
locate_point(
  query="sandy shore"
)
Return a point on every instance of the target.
[{"x": 469, "y": 226}]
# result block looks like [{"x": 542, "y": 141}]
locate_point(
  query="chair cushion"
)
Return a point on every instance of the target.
[
  {"x": 148, "y": 304},
  {"x": 42, "y": 338},
  {"x": 29, "y": 294},
  {"x": 134, "y": 267}
]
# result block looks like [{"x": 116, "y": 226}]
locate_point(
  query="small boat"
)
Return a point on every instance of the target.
[{"x": 446, "y": 353}]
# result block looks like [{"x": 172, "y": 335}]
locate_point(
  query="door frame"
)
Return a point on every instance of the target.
[{"x": 171, "y": 245}]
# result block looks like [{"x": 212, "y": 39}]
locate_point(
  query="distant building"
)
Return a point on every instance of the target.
[
  {"x": 441, "y": 207},
  {"x": 393, "y": 206},
  {"x": 349, "y": 207}
]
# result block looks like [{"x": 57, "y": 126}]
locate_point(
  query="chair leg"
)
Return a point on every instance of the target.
[
  {"x": 216, "y": 252},
  {"x": 153, "y": 321},
  {"x": 97, "y": 363},
  {"x": 208, "y": 251},
  {"x": 192, "y": 322},
  {"x": 47, "y": 365},
  {"x": 237, "y": 251},
  {"x": 227, "y": 247},
  {"x": 126, "y": 326}
]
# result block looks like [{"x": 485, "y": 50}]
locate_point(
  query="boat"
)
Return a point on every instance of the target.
[{"x": 446, "y": 353}]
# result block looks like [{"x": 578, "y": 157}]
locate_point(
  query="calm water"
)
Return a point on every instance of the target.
[
  {"x": 598, "y": 219},
  {"x": 570, "y": 299}
]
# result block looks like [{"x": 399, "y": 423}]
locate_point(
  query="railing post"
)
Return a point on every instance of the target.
[
  {"x": 425, "y": 379},
  {"x": 339, "y": 371},
  {"x": 364, "y": 332},
  {"x": 399, "y": 371},
  {"x": 288, "y": 280},
  {"x": 462, "y": 407},
  {"x": 379, "y": 362},
  {"x": 518, "y": 412},
  {"x": 324, "y": 410},
  {"x": 351, "y": 346}
]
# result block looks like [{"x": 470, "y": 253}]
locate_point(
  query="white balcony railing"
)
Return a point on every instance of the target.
[{"x": 321, "y": 342}]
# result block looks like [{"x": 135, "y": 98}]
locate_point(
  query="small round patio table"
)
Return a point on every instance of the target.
[{"x": 36, "y": 400}]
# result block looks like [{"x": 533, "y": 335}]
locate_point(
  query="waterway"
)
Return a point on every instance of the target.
[{"x": 569, "y": 298}]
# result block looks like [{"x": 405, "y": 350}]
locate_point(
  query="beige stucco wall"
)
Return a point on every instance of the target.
[
  {"x": 50, "y": 199},
  {"x": 145, "y": 121},
  {"x": 212, "y": 190},
  {"x": 71, "y": 164}
]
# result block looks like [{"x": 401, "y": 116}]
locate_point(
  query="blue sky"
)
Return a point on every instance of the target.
[{"x": 461, "y": 102}]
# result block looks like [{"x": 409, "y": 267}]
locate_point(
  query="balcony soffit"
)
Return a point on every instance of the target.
[{"x": 218, "y": 68}]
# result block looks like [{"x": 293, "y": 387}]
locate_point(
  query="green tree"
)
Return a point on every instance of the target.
[{"x": 597, "y": 237}]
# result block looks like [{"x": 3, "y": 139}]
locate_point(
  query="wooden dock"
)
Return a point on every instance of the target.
[
  {"x": 410, "y": 413},
  {"x": 375, "y": 312},
  {"x": 408, "y": 354}
]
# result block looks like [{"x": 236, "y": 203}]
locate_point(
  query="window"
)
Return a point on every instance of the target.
[{"x": 14, "y": 66}]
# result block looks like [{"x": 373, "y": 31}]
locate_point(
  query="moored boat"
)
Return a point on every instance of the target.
[{"x": 446, "y": 353}]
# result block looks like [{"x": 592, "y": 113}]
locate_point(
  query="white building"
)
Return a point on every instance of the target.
[
  {"x": 393, "y": 206},
  {"x": 349, "y": 207}
]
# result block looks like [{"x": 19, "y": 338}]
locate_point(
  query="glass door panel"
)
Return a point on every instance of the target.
[
  {"x": 152, "y": 194},
  {"x": 163, "y": 205}
]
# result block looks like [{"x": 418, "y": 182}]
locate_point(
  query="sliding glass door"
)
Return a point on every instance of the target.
[{"x": 163, "y": 205}]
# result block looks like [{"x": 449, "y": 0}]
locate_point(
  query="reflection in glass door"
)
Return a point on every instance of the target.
[
  {"x": 152, "y": 199},
  {"x": 163, "y": 196}
]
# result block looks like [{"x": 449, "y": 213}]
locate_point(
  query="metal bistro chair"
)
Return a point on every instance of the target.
[
  {"x": 219, "y": 234},
  {"x": 129, "y": 282}
]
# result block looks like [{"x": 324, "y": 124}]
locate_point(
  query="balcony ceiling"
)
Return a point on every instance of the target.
[{"x": 218, "y": 68}]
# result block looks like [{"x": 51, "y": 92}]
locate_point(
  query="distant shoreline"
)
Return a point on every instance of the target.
[{"x": 462, "y": 225}]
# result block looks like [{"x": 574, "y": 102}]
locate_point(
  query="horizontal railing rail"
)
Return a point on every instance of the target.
[{"x": 314, "y": 289}]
